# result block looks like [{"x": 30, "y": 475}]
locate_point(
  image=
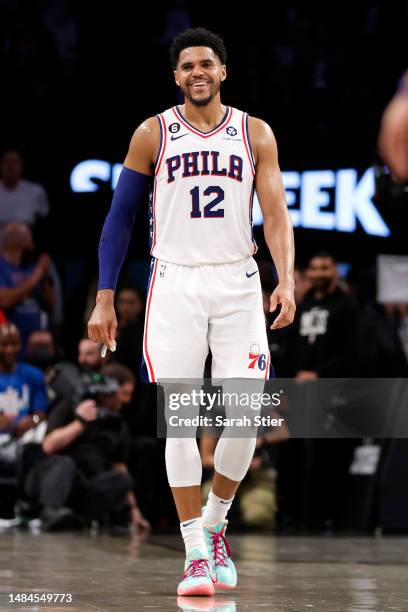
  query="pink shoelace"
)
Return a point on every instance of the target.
[
  {"x": 196, "y": 568},
  {"x": 220, "y": 548}
]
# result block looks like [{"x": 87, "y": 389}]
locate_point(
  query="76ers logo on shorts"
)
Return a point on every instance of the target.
[
  {"x": 256, "y": 358},
  {"x": 174, "y": 128}
]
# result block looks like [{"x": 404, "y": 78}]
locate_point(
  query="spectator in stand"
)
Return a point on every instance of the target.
[
  {"x": 278, "y": 339},
  {"x": 129, "y": 305},
  {"x": 41, "y": 350},
  {"x": 89, "y": 355},
  {"x": 20, "y": 200},
  {"x": 323, "y": 333},
  {"x": 64, "y": 377},
  {"x": 129, "y": 344},
  {"x": 144, "y": 448},
  {"x": 380, "y": 329},
  {"x": 322, "y": 345},
  {"x": 23, "y": 397},
  {"x": 26, "y": 292},
  {"x": 125, "y": 380}
]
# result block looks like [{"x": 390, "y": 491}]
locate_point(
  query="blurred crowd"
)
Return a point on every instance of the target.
[{"x": 78, "y": 437}]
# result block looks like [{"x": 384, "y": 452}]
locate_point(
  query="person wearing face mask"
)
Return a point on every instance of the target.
[
  {"x": 321, "y": 345},
  {"x": 41, "y": 350},
  {"x": 324, "y": 328},
  {"x": 129, "y": 349},
  {"x": 26, "y": 291}
]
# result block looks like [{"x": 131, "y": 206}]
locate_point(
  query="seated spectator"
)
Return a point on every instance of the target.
[
  {"x": 322, "y": 337},
  {"x": 380, "y": 352},
  {"x": 41, "y": 350},
  {"x": 26, "y": 292},
  {"x": 278, "y": 339},
  {"x": 20, "y": 200},
  {"x": 125, "y": 380},
  {"x": 85, "y": 473},
  {"x": 23, "y": 397},
  {"x": 144, "y": 448},
  {"x": 129, "y": 337},
  {"x": 65, "y": 380},
  {"x": 129, "y": 306},
  {"x": 89, "y": 355}
]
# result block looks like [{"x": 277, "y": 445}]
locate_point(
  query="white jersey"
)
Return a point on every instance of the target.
[{"x": 201, "y": 203}]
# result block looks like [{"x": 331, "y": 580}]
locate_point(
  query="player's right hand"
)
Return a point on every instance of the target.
[{"x": 102, "y": 325}]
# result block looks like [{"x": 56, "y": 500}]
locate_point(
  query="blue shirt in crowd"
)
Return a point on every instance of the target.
[
  {"x": 27, "y": 315},
  {"x": 22, "y": 391}
]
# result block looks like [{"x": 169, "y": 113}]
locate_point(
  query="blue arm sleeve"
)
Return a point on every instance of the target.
[{"x": 117, "y": 229}]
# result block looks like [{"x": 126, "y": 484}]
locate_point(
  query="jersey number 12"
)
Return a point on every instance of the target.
[{"x": 208, "y": 209}]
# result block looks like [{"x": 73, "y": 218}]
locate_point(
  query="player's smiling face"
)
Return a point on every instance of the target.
[{"x": 199, "y": 74}]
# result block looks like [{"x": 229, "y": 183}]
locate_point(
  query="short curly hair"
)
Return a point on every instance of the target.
[{"x": 197, "y": 37}]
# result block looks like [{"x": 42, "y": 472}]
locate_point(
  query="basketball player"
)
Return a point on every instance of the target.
[{"x": 206, "y": 159}]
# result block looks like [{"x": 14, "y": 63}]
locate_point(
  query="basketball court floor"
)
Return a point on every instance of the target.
[{"x": 277, "y": 574}]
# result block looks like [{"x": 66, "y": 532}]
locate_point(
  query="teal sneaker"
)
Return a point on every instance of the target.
[
  {"x": 198, "y": 577},
  {"x": 220, "y": 553}
]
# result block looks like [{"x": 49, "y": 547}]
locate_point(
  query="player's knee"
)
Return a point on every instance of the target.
[
  {"x": 183, "y": 462},
  {"x": 233, "y": 456}
]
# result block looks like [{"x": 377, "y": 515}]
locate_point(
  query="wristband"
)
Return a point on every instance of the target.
[{"x": 81, "y": 419}]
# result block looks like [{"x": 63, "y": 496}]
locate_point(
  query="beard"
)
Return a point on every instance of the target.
[
  {"x": 200, "y": 101},
  {"x": 323, "y": 284}
]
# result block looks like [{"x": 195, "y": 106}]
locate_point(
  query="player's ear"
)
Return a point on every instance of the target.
[
  {"x": 176, "y": 77},
  {"x": 223, "y": 72}
]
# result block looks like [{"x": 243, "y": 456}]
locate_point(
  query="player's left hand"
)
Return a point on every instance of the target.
[{"x": 283, "y": 295}]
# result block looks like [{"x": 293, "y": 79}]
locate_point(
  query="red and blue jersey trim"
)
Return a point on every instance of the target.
[
  {"x": 163, "y": 142},
  {"x": 251, "y": 205},
  {"x": 247, "y": 142},
  {"x": 160, "y": 155},
  {"x": 146, "y": 361},
  {"x": 191, "y": 128}
]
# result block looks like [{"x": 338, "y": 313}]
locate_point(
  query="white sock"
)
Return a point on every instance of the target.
[
  {"x": 193, "y": 535},
  {"x": 216, "y": 509}
]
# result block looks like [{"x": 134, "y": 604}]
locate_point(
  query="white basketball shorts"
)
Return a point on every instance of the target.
[{"x": 190, "y": 309}]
